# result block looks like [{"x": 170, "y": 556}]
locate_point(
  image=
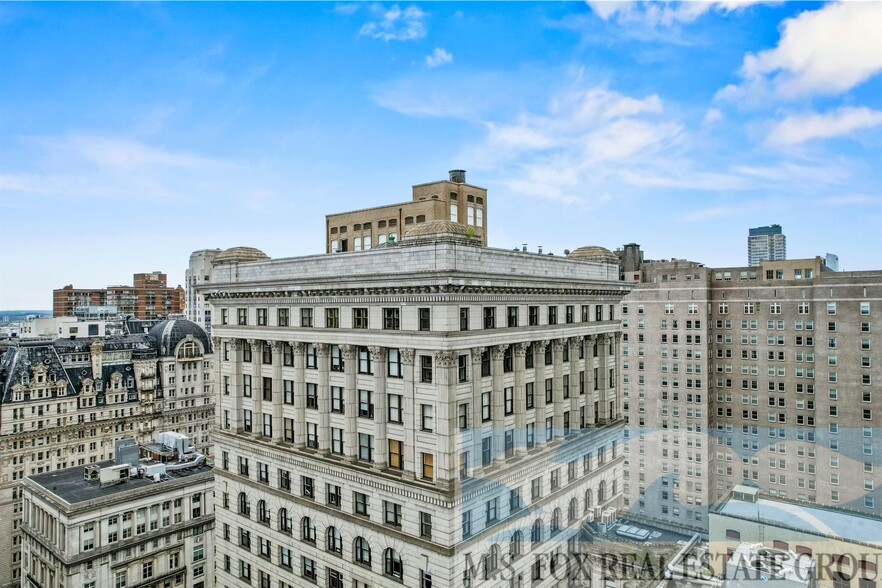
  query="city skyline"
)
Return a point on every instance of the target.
[{"x": 166, "y": 129}]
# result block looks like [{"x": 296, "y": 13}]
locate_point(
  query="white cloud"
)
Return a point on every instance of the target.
[
  {"x": 439, "y": 57},
  {"x": 664, "y": 14},
  {"x": 821, "y": 52},
  {"x": 794, "y": 130},
  {"x": 346, "y": 9},
  {"x": 854, "y": 200},
  {"x": 711, "y": 116},
  {"x": 395, "y": 24}
]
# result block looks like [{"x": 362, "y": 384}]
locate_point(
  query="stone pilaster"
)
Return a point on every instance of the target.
[
  {"x": 590, "y": 392},
  {"x": 350, "y": 401},
  {"x": 576, "y": 365},
  {"x": 410, "y": 419},
  {"x": 324, "y": 397},
  {"x": 445, "y": 419},
  {"x": 256, "y": 385},
  {"x": 236, "y": 385},
  {"x": 278, "y": 348},
  {"x": 603, "y": 378},
  {"x": 557, "y": 387},
  {"x": 299, "y": 394},
  {"x": 381, "y": 410},
  {"x": 520, "y": 395},
  {"x": 476, "y": 424}
]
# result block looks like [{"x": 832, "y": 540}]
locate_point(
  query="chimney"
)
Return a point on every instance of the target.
[
  {"x": 457, "y": 176},
  {"x": 524, "y": 248}
]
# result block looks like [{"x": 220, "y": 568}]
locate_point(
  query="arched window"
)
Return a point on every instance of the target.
[
  {"x": 188, "y": 350},
  {"x": 536, "y": 532},
  {"x": 307, "y": 530},
  {"x": 244, "y": 507},
  {"x": 573, "y": 512},
  {"x": 362, "y": 551},
  {"x": 515, "y": 547},
  {"x": 284, "y": 521},
  {"x": 555, "y": 522},
  {"x": 392, "y": 565},
  {"x": 601, "y": 493},
  {"x": 334, "y": 542},
  {"x": 263, "y": 514},
  {"x": 589, "y": 502}
]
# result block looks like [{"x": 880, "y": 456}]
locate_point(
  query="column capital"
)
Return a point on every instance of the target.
[
  {"x": 322, "y": 349},
  {"x": 277, "y": 346},
  {"x": 237, "y": 344},
  {"x": 477, "y": 353},
  {"x": 407, "y": 356},
  {"x": 618, "y": 336},
  {"x": 541, "y": 345},
  {"x": 558, "y": 344},
  {"x": 446, "y": 359},
  {"x": 574, "y": 341},
  {"x": 348, "y": 351},
  {"x": 378, "y": 353},
  {"x": 298, "y": 347},
  {"x": 215, "y": 343},
  {"x": 497, "y": 352},
  {"x": 255, "y": 344},
  {"x": 520, "y": 349}
]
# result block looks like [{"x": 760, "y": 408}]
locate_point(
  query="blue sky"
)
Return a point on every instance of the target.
[{"x": 132, "y": 134}]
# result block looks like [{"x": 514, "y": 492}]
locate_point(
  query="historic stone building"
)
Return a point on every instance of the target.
[
  {"x": 65, "y": 402},
  {"x": 766, "y": 376},
  {"x": 94, "y": 533},
  {"x": 435, "y": 413}
]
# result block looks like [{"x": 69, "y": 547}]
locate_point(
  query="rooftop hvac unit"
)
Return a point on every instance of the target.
[
  {"x": 589, "y": 516},
  {"x": 91, "y": 472},
  {"x": 609, "y": 516},
  {"x": 115, "y": 474}
]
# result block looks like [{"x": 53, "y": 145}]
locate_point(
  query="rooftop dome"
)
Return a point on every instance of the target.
[
  {"x": 437, "y": 227},
  {"x": 239, "y": 255},
  {"x": 594, "y": 253},
  {"x": 170, "y": 333}
]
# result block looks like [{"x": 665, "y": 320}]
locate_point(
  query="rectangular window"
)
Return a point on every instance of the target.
[
  {"x": 396, "y": 454},
  {"x": 365, "y": 404},
  {"x": 306, "y": 317},
  {"x": 463, "y": 319},
  {"x": 489, "y": 317},
  {"x": 359, "y": 318},
  {"x": 512, "y": 316},
  {"x": 332, "y": 318},
  {"x": 425, "y": 319},
  {"x": 242, "y": 316},
  {"x": 392, "y": 513},
  {"x": 533, "y": 312},
  {"x": 428, "y": 466},
  {"x": 391, "y": 319},
  {"x": 425, "y": 368},
  {"x": 282, "y": 317},
  {"x": 508, "y": 400},
  {"x": 362, "y": 504},
  {"x": 463, "y": 415},
  {"x": 552, "y": 315},
  {"x": 427, "y": 417},
  {"x": 337, "y": 399},
  {"x": 486, "y": 407},
  {"x": 393, "y": 361},
  {"x": 396, "y": 411}
]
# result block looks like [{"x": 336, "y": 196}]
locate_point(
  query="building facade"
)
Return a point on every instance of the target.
[
  {"x": 761, "y": 376},
  {"x": 85, "y": 533},
  {"x": 453, "y": 200},
  {"x": 65, "y": 402},
  {"x": 199, "y": 272},
  {"x": 149, "y": 297},
  {"x": 766, "y": 243},
  {"x": 431, "y": 414}
]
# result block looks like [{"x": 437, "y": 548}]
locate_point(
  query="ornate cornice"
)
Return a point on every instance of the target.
[{"x": 425, "y": 289}]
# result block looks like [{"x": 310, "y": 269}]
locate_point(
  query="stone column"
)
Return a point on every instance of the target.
[
  {"x": 217, "y": 345},
  {"x": 477, "y": 423},
  {"x": 256, "y": 386},
  {"x": 590, "y": 393},
  {"x": 299, "y": 394},
  {"x": 575, "y": 398},
  {"x": 278, "y": 348},
  {"x": 602, "y": 378},
  {"x": 350, "y": 402},
  {"x": 445, "y": 419},
  {"x": 324, "y": 369},
  {"x": 235, "y": 397},
  {"x": 557, "y": 387},
  {"x": 615, "y": 394},
  {"x": 407, "y": 358},
  {"x": 497, "y": 353},
  {"x": 520, "y": 394},
  {"x": 381, "y": 411},
  {"x": 539, "y": 391}
]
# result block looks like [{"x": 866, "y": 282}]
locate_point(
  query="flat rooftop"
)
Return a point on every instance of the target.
[
  {"x": 846, "y": 525},
  {"x": 69, "y": 485}
]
